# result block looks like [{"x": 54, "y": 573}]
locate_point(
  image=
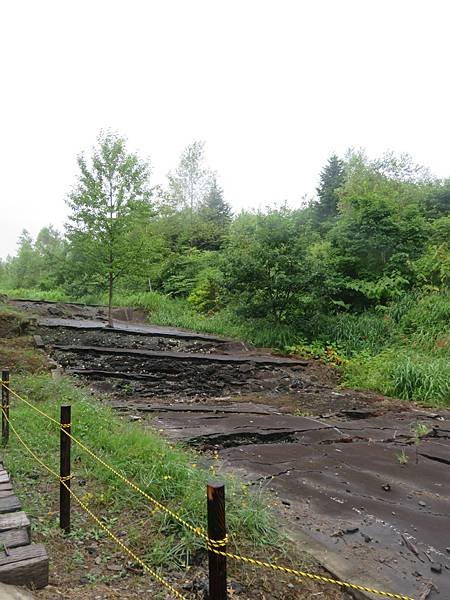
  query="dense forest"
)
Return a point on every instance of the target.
[{"x": 358, "y": 276}]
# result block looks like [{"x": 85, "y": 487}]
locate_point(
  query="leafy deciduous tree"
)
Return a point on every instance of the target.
[
  {"x": 110, "y": 204},
  {"x": 190, "y": 182}
]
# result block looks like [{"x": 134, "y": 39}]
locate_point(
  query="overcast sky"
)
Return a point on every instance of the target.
[{"x": 272, "y": 87}]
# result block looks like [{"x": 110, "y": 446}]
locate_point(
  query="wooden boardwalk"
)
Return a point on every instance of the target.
[{"x": 21, "y": 562}]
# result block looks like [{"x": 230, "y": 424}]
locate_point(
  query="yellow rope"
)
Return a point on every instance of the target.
[
  {"x": 213, "y": 545},
  {"x": 35, "y": 408},
  {"x": 197, "y": 530},
  {"x": 303, "y": 574},
  {"x": 136, "y": 558}
]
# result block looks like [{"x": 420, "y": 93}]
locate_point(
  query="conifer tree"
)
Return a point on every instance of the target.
[
  {"x": 215, "y": 209},
  {"x": 331, "y": 179}
]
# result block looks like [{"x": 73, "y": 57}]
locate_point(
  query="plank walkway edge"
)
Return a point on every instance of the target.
[
  {"x": 26, "y": 565},
  {"x": 21, "y": 562}
]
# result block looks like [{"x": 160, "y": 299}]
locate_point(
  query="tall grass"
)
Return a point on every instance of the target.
[
  {"x": 422, "y": 378},
  {"x": 413, "y": 360},
  {"x": 402, "y": 373},
  {"x": 164, "y": 310},
  {"x": 354, "y": 333},
  {"x": 34, "y": 294}
]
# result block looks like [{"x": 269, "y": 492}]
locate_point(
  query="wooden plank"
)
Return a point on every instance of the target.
[
  {"x": 26, "y": 565},
  {"x": 9, "y": 504},
  {"x": 5, "y": 493},
  {"x": 15, "y": 520},
  {"x": 4, "y": 478},
  {"x": 6, "y": 486},
  {"x": 14, "y": 538},
  {"x": 21, "y": 554}
]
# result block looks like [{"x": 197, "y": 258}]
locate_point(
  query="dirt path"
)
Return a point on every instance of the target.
[{"x": 357, "y": 491}]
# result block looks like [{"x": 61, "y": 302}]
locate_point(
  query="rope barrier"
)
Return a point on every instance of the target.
[
  {"x": 35, "y": 408},
  {"x": 305, "y": 575},
  {"x": 214, "y": 545},
  {"x": 119, "y": 542},
  {"x": 196, "y": 530}
]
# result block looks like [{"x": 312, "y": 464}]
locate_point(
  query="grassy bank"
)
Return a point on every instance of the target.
[
  {"x": 402, "y": 350},
  {"x": 169, "y": 473}
]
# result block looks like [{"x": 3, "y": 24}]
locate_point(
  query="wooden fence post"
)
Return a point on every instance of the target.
[
  {"x": 5, "y": 406},
  {"x": 217, "y": 531},
  {"x": 64, "y": 469}
]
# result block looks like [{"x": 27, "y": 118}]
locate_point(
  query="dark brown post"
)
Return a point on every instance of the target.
[
  {"x": 5, "y": 406},
  {"x": 64, "y": 470},
  {"x": 217, "y": 531}
]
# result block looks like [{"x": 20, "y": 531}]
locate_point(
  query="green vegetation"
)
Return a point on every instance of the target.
[
  {"x": 359, "y": 276},
  {"x": 168, "y": 472}
]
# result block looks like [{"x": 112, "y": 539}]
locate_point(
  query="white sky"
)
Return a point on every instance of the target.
[{"x": 272, "y": 87}]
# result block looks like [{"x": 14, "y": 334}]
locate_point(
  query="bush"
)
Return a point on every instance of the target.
[{"x": 205, "y": 297}]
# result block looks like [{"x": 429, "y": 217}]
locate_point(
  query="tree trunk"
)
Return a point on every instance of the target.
[{"x": 110, "y": 297}]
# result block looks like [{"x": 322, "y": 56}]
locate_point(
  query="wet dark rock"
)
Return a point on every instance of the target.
[
  {"x": 350, "y": 530},
  {"x": 437, "y": 568}
]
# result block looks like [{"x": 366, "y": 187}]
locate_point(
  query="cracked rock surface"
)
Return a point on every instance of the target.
[{"x": 365, "y": 496}]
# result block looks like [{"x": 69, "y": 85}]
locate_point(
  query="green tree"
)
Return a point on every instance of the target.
[
  {"x": 214, "y": 208},
  {"x": 190, "y": 182},
  {"x": 25, "y": 268},
  {"x": 51, "y": 250},
  {"x": 381, "y": 229},
  {"x": 437, "y": 202},
  {"x": 110, "y": 205},
  {"x": 267, "y": 267},
  {"x": 332, "y": 178}
]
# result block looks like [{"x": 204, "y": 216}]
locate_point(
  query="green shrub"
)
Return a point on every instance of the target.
[{"x": 205, "y": 297}]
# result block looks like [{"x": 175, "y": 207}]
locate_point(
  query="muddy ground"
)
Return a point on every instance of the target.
[{"x": 356, "y": 488}]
